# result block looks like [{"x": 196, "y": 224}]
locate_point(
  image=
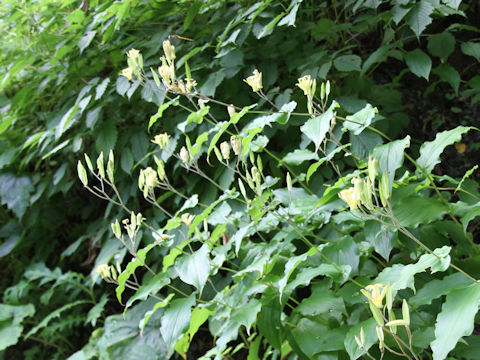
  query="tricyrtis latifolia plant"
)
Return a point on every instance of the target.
[{"x": 246, "y": 254}]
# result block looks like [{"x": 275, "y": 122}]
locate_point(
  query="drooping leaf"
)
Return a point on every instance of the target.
[
  {"x": 418, "y": 18},
  {"x": 431, "y": 150},
  {"x": 348, "y": 63},
  {"x": 401, "y": 276},
  {"x": 419, "y": 63},
  {"x": 448, "y": 74},
  {"x": 441, "y": 45},
  {"x": 316, "y": 129},
  {"x": 299, "y": 156},
  {"x": 360, "y": 120},
  {"x": 175, "y": 321},
  {"x": 15, "y": 192},
  {"x": 472, "y": 49},
  {"x": 194, "y": 269},
  {"x": 154, "y": 285},
  {"x": 390, "y": 157},
  {"x": 455, "y": 320},
  {"x": 198, "y": 317}
]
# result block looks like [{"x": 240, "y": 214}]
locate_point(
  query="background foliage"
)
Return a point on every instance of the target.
[{"x": 61, "y": 96}]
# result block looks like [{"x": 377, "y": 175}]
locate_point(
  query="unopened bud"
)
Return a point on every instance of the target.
[
  {"x": 236, "y": 143},
  {"x": 406, "y": 312},
  {"x": 169, "y": 50},
  {"x": 110, "y": 166},
  {"x": 88, "y": 162},
  {"x": 289, "y": 182},
  {"x": 82, "y": 173},
  {"x": 100, "y": 166},
  {"x": 225, "y": 149},
  {"x": 372, "y": 169},
  {"x": 381, "y": 337},
  {"x": 117, "y": 231},
  {"x": 384, "y": 190},
  {"x": 242, "y": 188},
  {"x": 184, "y": 155},
  {"x": 231, "y": 110}
]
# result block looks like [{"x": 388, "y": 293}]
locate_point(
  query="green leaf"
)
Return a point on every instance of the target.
[
  {"x": 380, "y": 237},
  {"x": 194, "y": 269},
  {"x": 419, "y": 17},
  {"x": 175, "y": 321},
  {"x": 401, "y": 276},
  {"x": 198, "y": 317},
  {"x": 86, "y": 40},
  {"x": 431, "y": 150},
  {"x": 268, "y": 320},
  {"x": 322, "y": 302},
  {"x": 161, "y": 109},
  {"x": 448, "y": 74},
  {"x": 106, "y": 136},
  {"x": 441, "y": 45},
  {"x": 15, "y": 192},
  {"x": 415, "y": 210},
  {"x": 139, "y": 260},
  {"x": 471, "y": 49},
  {"x": 419, "y": 63},
  {"x": 54, "y": 314},
  {"x": 455, "y": 320},
  {"x": 191, "y": 14},
  {"x": 11, "y": 317},
  {"x": 297, "y": 157},
  {"x": 364, "y": 143},
  {"x": 390, "y": 157},
  {"x": 100, "y": 89},
  {"x": 436, "y": 288},
  {"x": 316, "y": 129},
  {"x": 369, "y": 327},
  {"x": 469, "y": 216},
  {"x": 154, "y": 285},
  {"x": 348, "y": 63},
  {"x": 96, "y": 312},
  {"x": 360, "y": 120},
  {"x": 313, "y": 337}
]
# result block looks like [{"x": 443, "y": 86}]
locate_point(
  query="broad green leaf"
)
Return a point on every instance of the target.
[
  {"x": 415, "y": 210},
  {"x": 441, "y": 45},
  {"x": 139, "y": 260},
  {"x": 316, "y": 129},
  {"x": 11, "y": 317},
  {"x": 455, "y": 320},
  {"x": 100, "y": 89},
  {"x": 154, "y": 285},
  {"x": 15, "y": 192},
  {"x": 86, "y": 39},
  {"x": 312, "y": 168},
  {"x": 419, "y": 63},
  {"x": 360, "y": 120},
  {"x": 380, "y": 237},
  {"x": 191, "y": 14},
  {"x": 313, "y": 337},
  {"x": 297, "y": 157},
  {"x": 448, "y": 74},
  {"x": 290, "y": 266},
  {"x": 370, "y": 338},
  {"x": 322, "y": 303},
  {"x": 194, "y": 269},
  {"x": 390, "y": 157},
  {"x": 401, "y": 276},
  {"x": 198, "y": 317},
  {"x": 471, "y": 49},
  {"x": 364, "y": 143},
  {"x": 431, "y": 150},
  {"x": 419, "y": 17},
  {"x": 268, "y": 320},
  {"x": 175, "y": 321},
  {"x": 348, "y": 63},
  {"x": 96, "y": 312},
  {"x": 469, "y": 216},
  {"x": 106, "y": 136},
  {"x": 436, "y": 288},
  {"x": 159, "y": 305}
]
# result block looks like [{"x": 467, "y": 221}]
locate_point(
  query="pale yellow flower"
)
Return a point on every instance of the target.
[{"x": 255, "y": 81}]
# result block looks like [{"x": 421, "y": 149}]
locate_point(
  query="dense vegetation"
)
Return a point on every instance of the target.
[{"x": 239, "y": 180}]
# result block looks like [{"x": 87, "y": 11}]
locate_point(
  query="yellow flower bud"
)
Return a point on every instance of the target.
[
  {"x": 169, "y": 50},
  {"x": 255, "y": 81},
  {"x": 184, "y": 156},
  {"x": 225, "y": 149},
  {"x": 231, "y": 110},
  {"x": 162, "y": 140},
  {"x": 187, "y": 218},
  {"x": 104, "y": 271},
  {"x": 236, "y": 143},
  {"x": 372, "y": 169}
]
